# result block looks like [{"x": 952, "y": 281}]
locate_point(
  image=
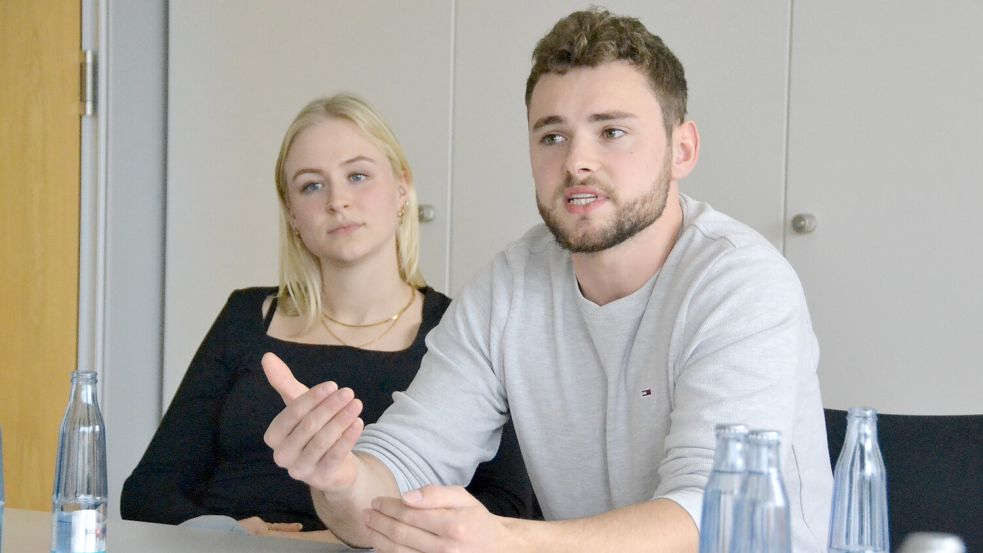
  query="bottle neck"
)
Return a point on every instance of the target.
[
  {"x": 84, "y": 387},
  {"x": 763, "y": 455},
  {"x": 730, "y": 453},
  {"x": 862, "y": 424}
]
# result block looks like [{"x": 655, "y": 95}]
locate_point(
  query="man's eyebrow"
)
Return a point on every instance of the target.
[
  {"x": 611, "y": 116},
  {"x": 548, "y": 120},
  {"x": 594, "y": 118}
]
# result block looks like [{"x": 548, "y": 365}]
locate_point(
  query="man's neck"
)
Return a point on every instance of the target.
[{"x": 616, "y": 272}]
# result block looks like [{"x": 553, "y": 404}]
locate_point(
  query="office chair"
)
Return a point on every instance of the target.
[{"x": 934, "y": 472}]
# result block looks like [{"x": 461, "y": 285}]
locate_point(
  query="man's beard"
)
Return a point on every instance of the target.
[{"x": 629, "y": 218}]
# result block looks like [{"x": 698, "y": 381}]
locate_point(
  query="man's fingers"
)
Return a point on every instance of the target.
[
  {"x": 428, "y": 509},
  {"x": 395, "y": 527},
  {"x": 280, "y": 377},
  {"x": 301, "y": 418},
  {"x": 320, "y": 432},
  {"x": 439, "y": 497}
]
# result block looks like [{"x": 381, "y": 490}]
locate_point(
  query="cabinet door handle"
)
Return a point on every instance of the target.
[
  {"x": 804, "y": 223},
  {"x": 427, "y": 213}
]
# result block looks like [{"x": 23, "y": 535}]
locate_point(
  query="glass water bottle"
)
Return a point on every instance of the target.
[
  {"x": 762, "y": 522},
  {"x": 79, "y": 500},
  {"x": 723, "y": 486},
  {"x": 858, "y": 521}
]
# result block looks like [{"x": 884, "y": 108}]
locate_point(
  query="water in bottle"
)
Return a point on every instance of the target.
[
  {"x": 79, "y": 500},
  {"x": 762, "y": 522},
  {"x": 723, "y": 486},
  {"x": 858, "y": 521}
]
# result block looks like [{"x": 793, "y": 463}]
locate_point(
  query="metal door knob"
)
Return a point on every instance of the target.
[
  {"x": 804, "y": 223},
  {"x": 427, "y": 213}
]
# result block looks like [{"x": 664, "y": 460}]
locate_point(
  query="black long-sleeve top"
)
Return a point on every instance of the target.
[{"x": 208, "y": 455}]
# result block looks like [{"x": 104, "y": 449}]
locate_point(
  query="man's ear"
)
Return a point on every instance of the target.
[{"x": 685, "y": 149}]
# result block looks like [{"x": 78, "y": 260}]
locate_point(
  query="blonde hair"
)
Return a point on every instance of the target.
[{"x": 300, "y": 271}]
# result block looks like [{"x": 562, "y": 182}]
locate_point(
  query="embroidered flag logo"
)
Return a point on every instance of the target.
[{"x": 646, "y": 392}]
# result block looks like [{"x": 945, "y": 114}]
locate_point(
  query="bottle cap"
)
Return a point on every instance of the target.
[
  {"x": 84, "y": 376},
  {"x": 862, "y": 412},
  {"x": 764, "y": 436},
  {"x": 932, "y": 542},
  {"x": 730, "y": 429}
]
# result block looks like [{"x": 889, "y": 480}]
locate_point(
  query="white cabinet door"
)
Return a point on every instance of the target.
[
  {"x": 735, "y": 56},
  {"x": 884, "y": 149},
  {"x": 239, "y": 71}
]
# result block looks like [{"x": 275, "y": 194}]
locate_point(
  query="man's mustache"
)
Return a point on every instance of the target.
[{"x": 592, "y": 181}]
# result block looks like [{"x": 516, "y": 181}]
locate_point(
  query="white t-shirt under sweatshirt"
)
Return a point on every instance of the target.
[{"x": 616, "y": 404}]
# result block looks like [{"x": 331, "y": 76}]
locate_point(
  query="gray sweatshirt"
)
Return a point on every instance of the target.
[{"x": 616, "y": 404}]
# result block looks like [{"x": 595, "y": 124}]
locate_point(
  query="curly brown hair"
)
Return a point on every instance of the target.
[{"x": 592, "y": 37}]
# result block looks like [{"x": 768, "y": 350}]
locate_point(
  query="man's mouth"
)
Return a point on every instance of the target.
[{"x": 581, "y": 199}]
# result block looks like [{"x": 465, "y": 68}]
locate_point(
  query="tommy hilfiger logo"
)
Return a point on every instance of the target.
[{"x": 646, "y": 392}]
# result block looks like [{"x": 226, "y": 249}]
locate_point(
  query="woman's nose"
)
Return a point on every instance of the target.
[{"x": 338, "y": 199}]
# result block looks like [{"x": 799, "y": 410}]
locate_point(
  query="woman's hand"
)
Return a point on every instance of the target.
[
  {"x": 260, "y": 527},
  {"x": 292, "y": 530}
]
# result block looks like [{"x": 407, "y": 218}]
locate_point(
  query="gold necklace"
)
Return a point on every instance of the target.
[
  {"x": 370, "y": 342},
  {"x": 394, "y": 318}
]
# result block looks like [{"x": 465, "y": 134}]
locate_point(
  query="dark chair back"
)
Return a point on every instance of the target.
[{"x": 934, "y": 472}]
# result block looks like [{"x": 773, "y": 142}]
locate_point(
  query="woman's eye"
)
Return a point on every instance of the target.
[
  {"x": 613, "y": 133},
  {"x": 358, "y": 177},
  {"x": 550, "y": 139},
  {"x": 312, "y": 186}
]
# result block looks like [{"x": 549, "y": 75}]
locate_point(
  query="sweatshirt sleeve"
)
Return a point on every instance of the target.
[
  {"x": 184, "y": 450},
  {"x": 451, "y": 417},
  {"x": 502, "y": 484},
  {"x": 746, "y": 349}
]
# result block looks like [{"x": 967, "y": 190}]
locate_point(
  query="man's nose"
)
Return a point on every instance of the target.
[{"x": 582, "y": 159}]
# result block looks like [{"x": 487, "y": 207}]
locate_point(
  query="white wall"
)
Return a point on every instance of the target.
[
  {"x": 135, "y": 105},
  {"x": 452, "y": 86},
  {"x": 884, "y": 141}
]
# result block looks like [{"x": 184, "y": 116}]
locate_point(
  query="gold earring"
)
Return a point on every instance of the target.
[{"x": 402, "y": 209}]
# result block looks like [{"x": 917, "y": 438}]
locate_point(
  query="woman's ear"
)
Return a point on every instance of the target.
[
  {"x": 291, "y": 218},
  {"x": 405, "y": 182},
  {"x": 685, "y": 149}
]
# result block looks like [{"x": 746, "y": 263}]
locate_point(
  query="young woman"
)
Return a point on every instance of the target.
[{"x": 351, "y": 307}]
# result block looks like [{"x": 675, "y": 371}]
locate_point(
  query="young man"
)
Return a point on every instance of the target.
[{"x": 615, "y": 340}]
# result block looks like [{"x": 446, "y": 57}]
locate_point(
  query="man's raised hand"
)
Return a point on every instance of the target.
[{"x": 314, "y": 434}]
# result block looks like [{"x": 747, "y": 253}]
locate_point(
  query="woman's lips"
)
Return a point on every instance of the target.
[{"x": 345, "y": 229}]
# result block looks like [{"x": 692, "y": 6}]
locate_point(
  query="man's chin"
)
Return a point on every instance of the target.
[{"x": 581, "y": 241}]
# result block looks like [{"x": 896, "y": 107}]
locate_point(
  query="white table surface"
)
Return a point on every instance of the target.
[{"x": 30, "y": 531}]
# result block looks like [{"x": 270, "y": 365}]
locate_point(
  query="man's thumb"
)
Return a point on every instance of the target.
[{"x": 280, "y": 377}]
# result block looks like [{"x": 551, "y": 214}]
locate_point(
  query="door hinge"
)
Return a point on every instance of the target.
[{"x": 87, "y": 87}]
